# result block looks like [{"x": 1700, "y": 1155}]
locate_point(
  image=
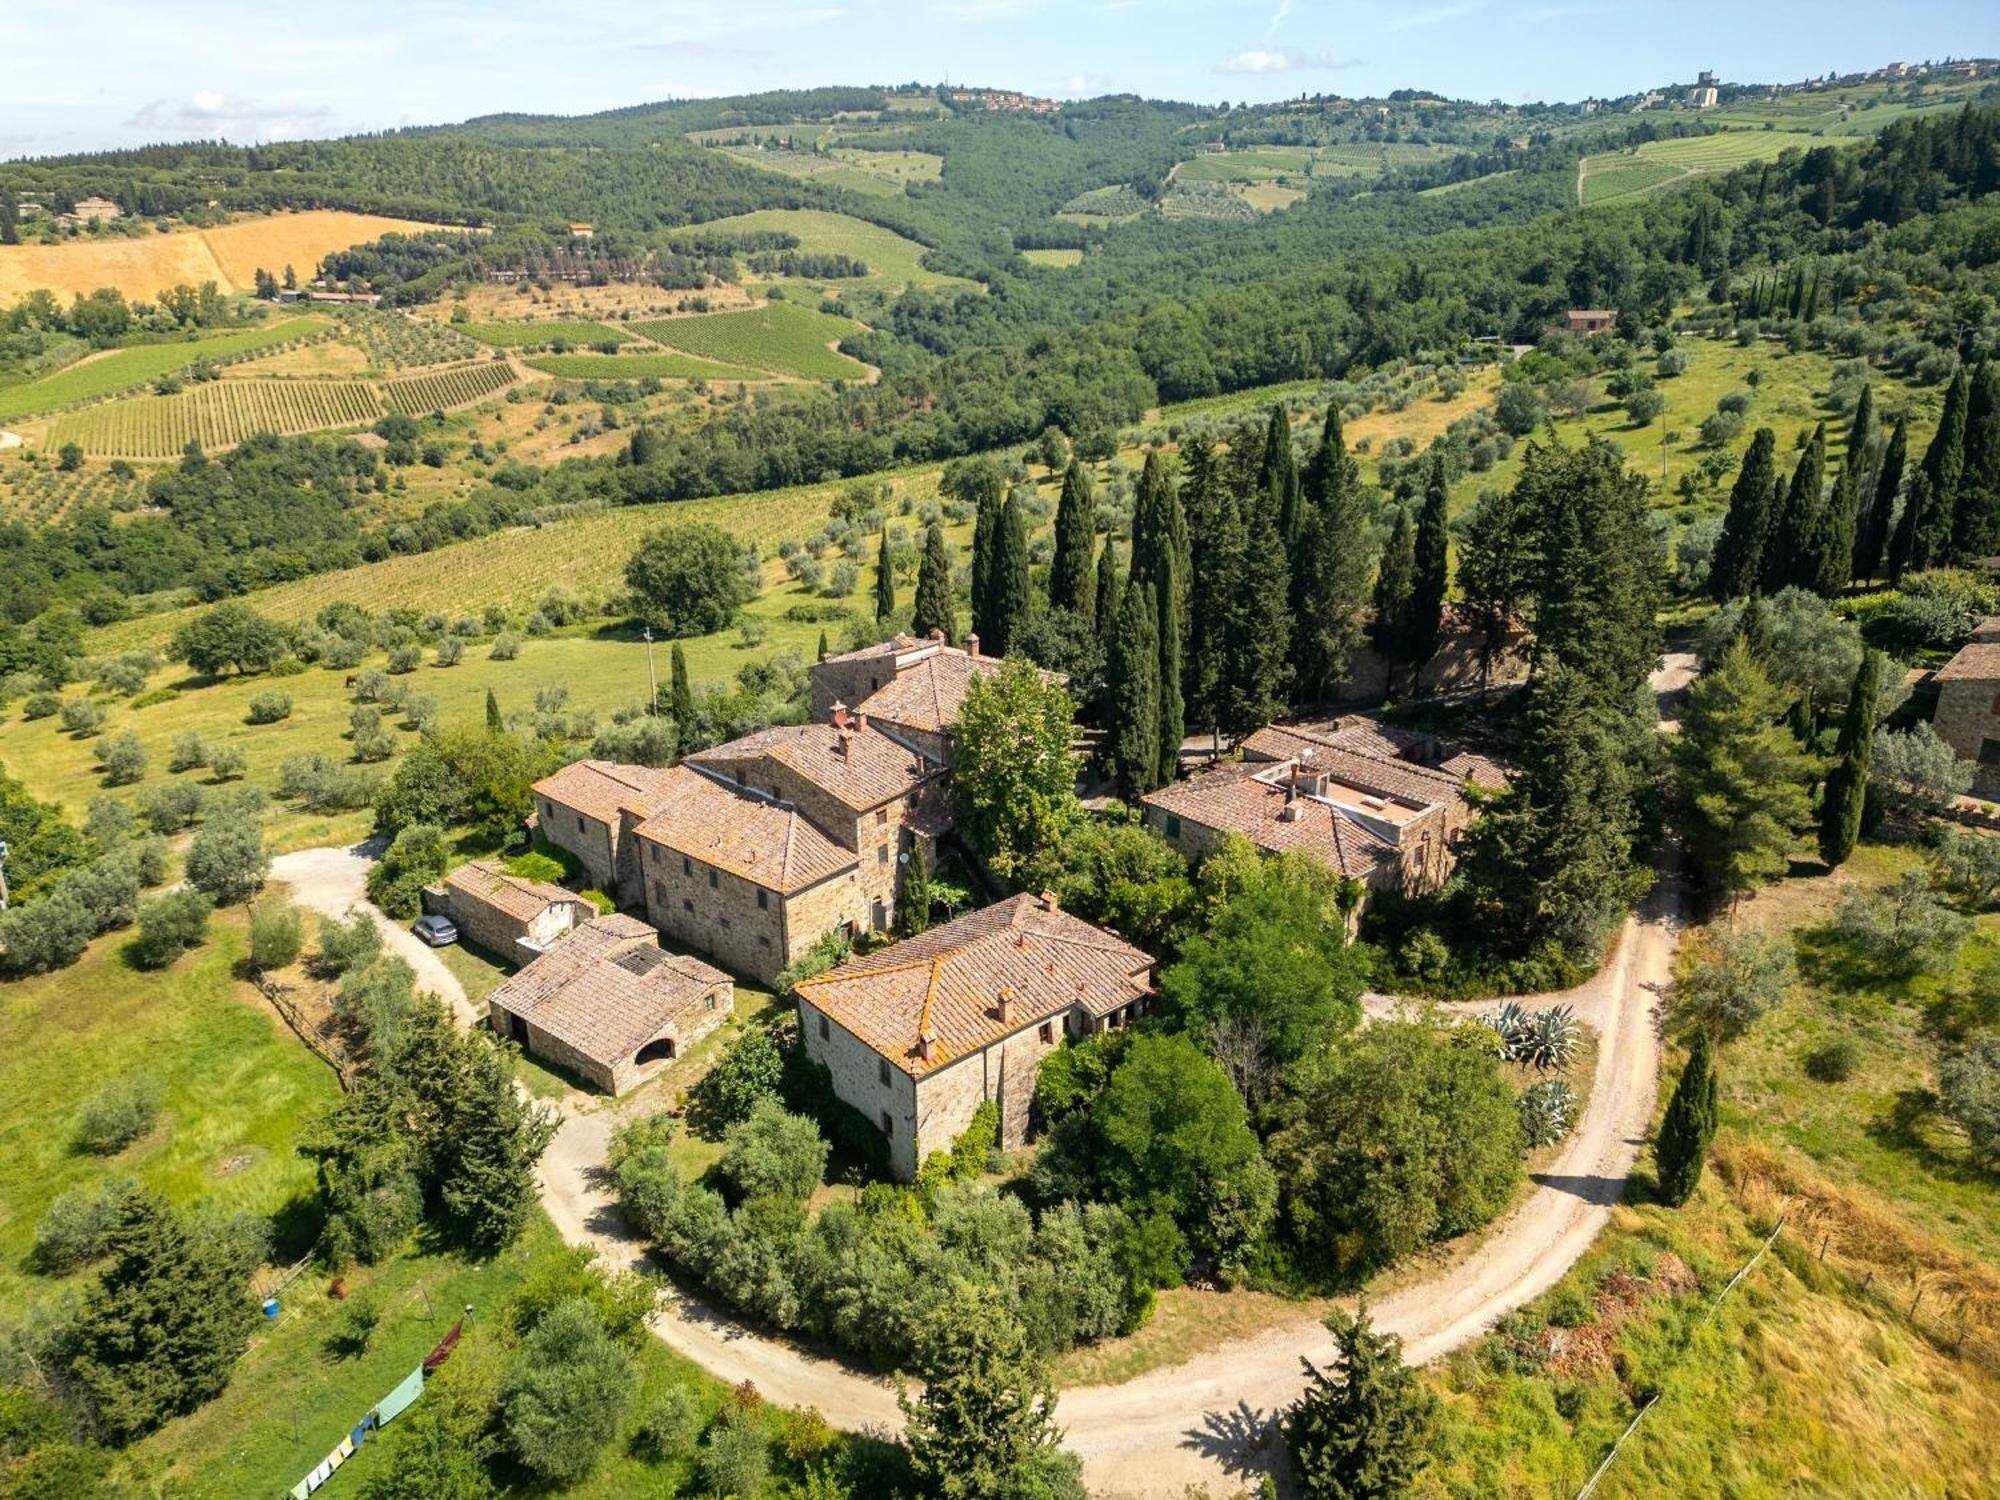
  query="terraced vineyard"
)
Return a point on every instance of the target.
[
  {"x": 1612, "y": 176},
  {"x": 520, "y": 335},
  {"x": 660, "y": 366},
  {"x": 444, "y": 390},
  {"x": 217, "y": 415},
  {"x": 780, "y": 337},
  {"x": 122, "y": 369}
]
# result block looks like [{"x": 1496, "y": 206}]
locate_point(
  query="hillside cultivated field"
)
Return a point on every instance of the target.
[
  {"x": 1062, "y": 259},
  {"x": 446, "y": 390},
  {"x": 1613, "y": 175},
  {"x": 516, "y": 335},
  {"x": 42, "y": 492},
  {"x": 120, "y": 369},
  {"x": 228, "y": 256},
  {"x": 217, "y": 415},
  {"x": 779, "y": 337},
  {"x": 661, "y": 366},
  {"x": 893, "y": 261}
]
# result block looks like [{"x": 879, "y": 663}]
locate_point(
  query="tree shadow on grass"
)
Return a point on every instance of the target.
[{"x": 1912, "y": 1127}]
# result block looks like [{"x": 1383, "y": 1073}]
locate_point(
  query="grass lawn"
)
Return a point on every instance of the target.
[
  {"x": 893, "y": 260},
  {"x": 118, "y": 369},
  {"x": 238, "y": 1085},
  {"x": 779, "y": 337}
]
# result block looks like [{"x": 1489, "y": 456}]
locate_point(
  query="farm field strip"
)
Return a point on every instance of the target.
[
  {"x": 121, "y": 369},
  {"x": 445, "y": 390},
  {"x": 1611, "y": 175},
  {"x": 780, "y": 337},
  {"x": 513, "y": 335},
  {"x": 894, "y": 261},
  {"x": 662, "y": 365}
]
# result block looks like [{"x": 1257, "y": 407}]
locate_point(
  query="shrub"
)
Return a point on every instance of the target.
[
  {"x": 1672, "y": 362},
  {"x": 123, "y": 758},
  {"x": 670, "y": 1428},
  {"x": 72, "y": 1232},
  {"x": 189, "y": 753},
  {"x": 171, "y": 806},
  {"x": 1903, "y": 931},
  {"x": 277, "y": 934},
  {"x": 745, "y": 1075},
  {"x": 406, "y": 657},
  {"x": 565, "y": 1393},
  {"x": 269, "y": 708},
  {"x": 117, "y": 1114},
  {"x": 1720, "y": 428},
  {"x": 227, "y": 859},
  {"x": 227, "y": 763},
  {"x": 416, "y": 859},
  {"x": 735, "y": 1457},
  {"x": 40, "y": 706},
  {"x": 169, "y": 925},
  {"x": 1730, "y": 980},
  {"x": 688, "y": 580},
  {"x": 774, "y": 1154},
  {"x": 1833, "y": 1061},
  {"x": 81, "y": 717},
  {"x": 450, "y": 651},
  {"x": 506, "y": 646},
  {"x": 1970, "y": 1085},
  {"x": 349, "y": 944}
]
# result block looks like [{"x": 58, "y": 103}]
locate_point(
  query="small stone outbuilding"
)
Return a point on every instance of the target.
[
  {"x": 1968, "y": 705},
  {"x": 609, "y": 1005},
  {"x": 508, "y": 916},
  {"x": 917, "y": 1035}
]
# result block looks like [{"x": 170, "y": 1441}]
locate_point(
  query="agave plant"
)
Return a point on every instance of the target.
[
  {"x": 1548, "y": 1110},
  {"x": 1509, "y": 1021},
  {"x": 1547, "y": 1039}
]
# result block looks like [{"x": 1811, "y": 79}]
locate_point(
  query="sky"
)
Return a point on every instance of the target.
[{"x": 78, "y": 75}]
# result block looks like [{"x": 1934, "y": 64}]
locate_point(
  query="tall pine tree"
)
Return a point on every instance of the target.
[
  {"x": 935, "y": 609},
  {"x": 1496, "y": 569},
  {"x": 1847, "y": 783},
  {"x": 1738, "y": 568},
  {"x": 1365, "y": 1430},
  {"x": 1943, "y": 462},
  {"x": 1871, "y": 537},
  {"x": 1257, "y": 645},
  {"x": 1791, "y": 558},
  {"x": 1105, "y": 607},
  {"x": 1906, "y": 546},
  {"x": 1427, "y": 588},
  {"x": 1688, "y": 1127},
  {"x": 1076, "y": 539},
  {"x": 1160, "y": 553},
  {"x": 1214, "y": 526},
  {"x": 885, "y": 581},
  {"x": 1132, "y": 673}
]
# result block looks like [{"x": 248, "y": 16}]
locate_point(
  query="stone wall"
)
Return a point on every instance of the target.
[
  {"x": 847, "y": 681},
  {"x": 594, "y": 844},
  {"x": 857, "y": 1071},
  {"x": 615, "y": 1076},
  {"x": 712, "y": 911},
  {"x": 1966, "y": 719},
  {"x": 1453, "y": 669}
]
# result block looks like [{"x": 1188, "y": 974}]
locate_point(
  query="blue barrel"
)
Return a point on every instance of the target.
[{"x": 270, "y": 1307}]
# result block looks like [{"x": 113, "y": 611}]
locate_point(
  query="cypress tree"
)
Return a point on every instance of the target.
[
  {"x": 934, "y": 609},
  {"x": 1943, "y": 462},
  {"x": 1214, "y": 535},
  {"x": 1871, "y": 537},
  {"x": 1160, "y": 561},
  {"x": 1427, "y": 589},
  {"x": 985, "y": 547},
  {"x": 1395, "y": 584},
  {"x": 1791, "y": 557},
  {"x": 913, "y": 895},
  {"x": 1738, "y": 569},
  {"x": 1688, "y": 1126},
  {"x": 1279, "y": 477},
  {"x": 885, "y": 581},
  {"x": 822, "y": 647},
  {"x": 1863, "y": 433},
  {"x": 1132, "y": 670},
  {"x": 1104, "y": 613},
  {"x": 1905, "y": 546},
  {"x": 1257, "y": 624},
  {"x": 494, "y": 723},
  {"x": 1978, "y": 504},
  {"x": 1011, "y": 598},
  {"x": 1366, "y": 1430},
  {"x": 1330, "y": 568},
  {"x": 1753, "y": 629},
  {"x": 681, "y": 692},
  {"x": 1076, "y": 538},
  {"x": 1847, "y": 782}
]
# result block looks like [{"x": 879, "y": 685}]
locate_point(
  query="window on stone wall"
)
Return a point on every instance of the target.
[
  {"x": 825, "y": 1031},
  {"x": 882, "y": 1070},
  {"x": 888, "y": 1125},
  {"x": 881, "y": 817},
  {"x": 712, "y": 881},
  {"x": 1047, "y": 1033},
  {"x": 687, "y": 865},
  {"x": 763, "y": 899},
  {"x": 579, "y": 822},
  {"x": 882, "y": 855},
  {"x": 686, "y": 905},
  {"x": 711, "y": 1002},
  {"x": 1173, "y": 826},
  {"x": 1989, "y": 752}
]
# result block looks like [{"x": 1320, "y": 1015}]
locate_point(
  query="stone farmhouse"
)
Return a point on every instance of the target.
[
  {"x": 608, "y": 1004},
  {"x": 910, "y": 687},
  {"x": 1380, "y": 806},
  {"x": 1968, "y": 705},
  {"x": 1590, "y": 320},
  {"x": 504, "y": 914},
  {"x": 754, "y": 850},
  {"x": 917, "y": 1035}
]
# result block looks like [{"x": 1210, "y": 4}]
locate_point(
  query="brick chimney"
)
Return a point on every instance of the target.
[
  {"x": 861, "y": 723},
  {"x": 843, "y": 741},
  {"x": 938, "y": 636},
  {"x": 1003, "y": 1006},
  {"x": 839, "y": 714},
  {"x": 927, "y": 1045},
  {"x": 971, "y": 643},
  {"x": 1050, "y": 901}
]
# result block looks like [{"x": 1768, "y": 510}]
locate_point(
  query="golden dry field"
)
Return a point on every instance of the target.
[{"x": 228, "y": 256}]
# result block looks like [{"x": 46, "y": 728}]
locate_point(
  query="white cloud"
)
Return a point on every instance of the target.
[
  {"x": 1277, "y": 19},
  {"x": 208, "y": 115},
  {"x": 1083, "y": 86},
  {"x": 1284, "y": 60}
]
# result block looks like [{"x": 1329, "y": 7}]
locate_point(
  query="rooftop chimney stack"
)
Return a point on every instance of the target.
[
  {"x": 927, "y": 1045},
  {"x": 861, "y": 723},
  {"x": 938, "y": 636},
  {"x": 971, "y": 643},
  {"x": 1004, "y": 1005},
  {"x": 839, "y": 714},
  {"x": 1050, "y": 901}
]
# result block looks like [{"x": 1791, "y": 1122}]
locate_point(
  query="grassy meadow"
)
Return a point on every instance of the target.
[
  {"x": 119, "y": 369},
  {"x": 781, "y": 338},
  {"x": 1612, "y": 176},
  {"x": 893, "y": 260},
  {"x": 660, "y": 364}
]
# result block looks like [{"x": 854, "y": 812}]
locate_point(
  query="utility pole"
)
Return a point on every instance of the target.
[
  {"x": 3, "y": 874},
  {"x": 653, "y": 704}
]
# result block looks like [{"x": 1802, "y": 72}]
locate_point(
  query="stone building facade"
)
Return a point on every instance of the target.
[
  {"x": 919, "y": 1034},
  {"x": 910, "y": 688},
  {"x": 1968, "y": 706},
  {"x": 590, "y": 808},
  {"x": 504, "y": 914},
  {"x": 609, "y": 1005}
]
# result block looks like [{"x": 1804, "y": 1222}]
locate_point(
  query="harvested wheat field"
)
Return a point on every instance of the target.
[{"x": 228, "y": 256}]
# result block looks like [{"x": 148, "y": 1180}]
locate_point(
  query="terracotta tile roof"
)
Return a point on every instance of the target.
[
  {"x": 487, "y": 881},
  {"x": 858, "y": 767},
  {"x": 1382, "y": 775},
  {"x": 931, "y": 693},
  {"x": 608, "y": 988},
  {"x": 896, "y": 645},
  {"x": 948, "y": 982},
  {"x": 1243, "y": 799},
  {"x": 1364, "y": 734},
  {"x": 1979, "y": 659},
  {"x": 602, "y": 789},
  {"x": 753, "y": 837},
  {"x": 1481, "y": 770}
]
